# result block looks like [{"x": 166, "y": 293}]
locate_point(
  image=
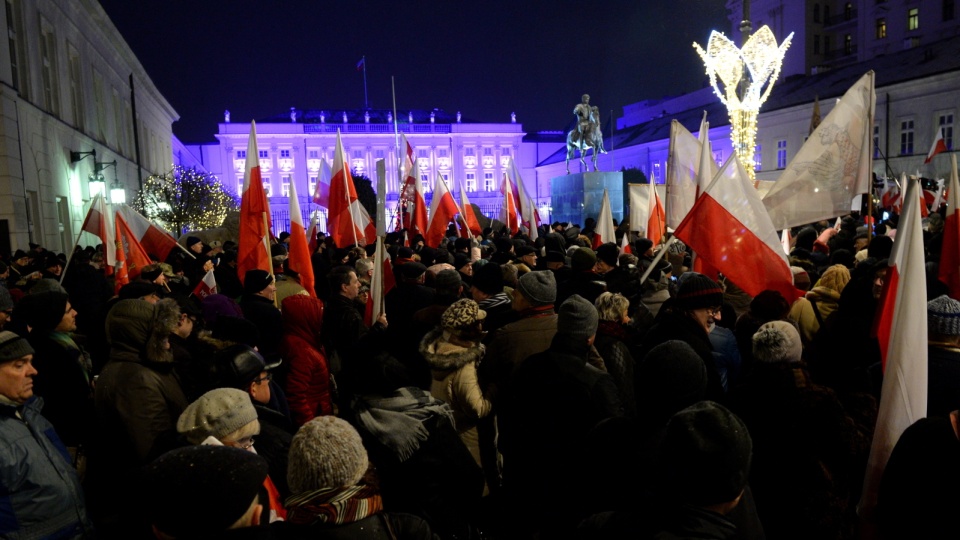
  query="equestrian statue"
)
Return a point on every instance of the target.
[{"x": 586, "y": 134}]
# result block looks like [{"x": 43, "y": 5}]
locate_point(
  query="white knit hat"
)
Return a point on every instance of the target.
[
  {"x": 777, "y": 341},
  {"x": 217, "y": 414},
  {"x": 326, "y": 452},
  {"x": 943, "y": 316}
]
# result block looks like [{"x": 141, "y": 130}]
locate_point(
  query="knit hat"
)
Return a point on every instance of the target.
[
  {"x": 801, "y": 279},
  {"x": 404, "y": 253},
  {"x": 326, "y": 452},
  {"x": 447, "y": 280},
  {"x": 461, "y": 315},
  {"x": 539, "y": 288},
  {"x": 583, "y": 259},
  {"x": 42, "y": 311},
  {"x": 216, "y": 414},
  {"x": 578, "y": 318},
  {"x": 237, "y": 366},
  {"x": 698, "y": 291},
  {"x": 777, "y": 341},
  {"x": 608, "y": 253},
  {"x": 256, "y": 280},
  {"x": 488, "y": 278},
  {"x": 525, "y": 250},
  {"x": 705, "y": 455},
  {"x": 191, "y": 240},
  {"x": 642, "y": 245},
  {"x": 835, "y": 278},
  {"x": 13, "y": 347},
  {"x": 943, "y": 316},
  {"x": 6, "y": 301},
  {"x": 412, "y": 270},
  {"x": 47, "y": 284},
  {"x": 200, "y": 491},
  {"x": 671, "y": 377},
  {"x": 460, "y": 260}
]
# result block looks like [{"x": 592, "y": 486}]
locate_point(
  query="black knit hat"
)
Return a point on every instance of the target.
[
  {"x": 200, "y": 491},
  {"x": 42, "y": 311},
  {"x": 608, "y": 253},
  {"x": 191, "y": 240},
  {"x": 705, "y": 455},
  {"x": 489, "y": 279},
  {"x": 698, "y": 291},
  {"x": 256, "y": 280}
]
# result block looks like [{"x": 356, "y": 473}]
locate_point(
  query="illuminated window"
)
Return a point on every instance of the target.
[
  {"x": 906, "y": 137},
  {"x": 267, "y": 187},
  {"x": 313, "y": 185},
  {"x": 656, "y": 172},
  {"x": 284, "y": 153},
  {"x": 913, "y": 18},
  {"x": 488, "y": 151},
  {"x": 76, "y": 86},
  {"x": 488, "y": 181},
  {"x": 240, "y": 185},
  {"x": 946, "y": 126},
  {"x": 881, "y": 28},
  {"x": 471, "y": 182},
  {"x": 425, "y": 183},
  {"x": 469, "y": 151},
  {"x": 781, "y": 154},
  {"x": 241, "y": 154},
  {"x": 285, "y": 185},
  {"x": 264, "y": 154},
  {"x": 48, "y": 69},
  {"x": 313, "y": 154}
]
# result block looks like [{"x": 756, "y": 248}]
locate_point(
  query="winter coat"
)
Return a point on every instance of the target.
[
  {"x": 509, "y": 346},
  {"x": 266, "y": 317},
  {"x": 826, "y": 295},
  {"x": 40, "y": 493},
  {"x": 63, "y": 382},
  {"x": 611, "y": 343},
  {"x": 308, "y": 379},
  {"x": 676, "y": 325},
  {"x": 454, "y": 369}
]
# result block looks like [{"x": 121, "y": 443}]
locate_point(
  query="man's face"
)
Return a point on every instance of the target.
[
  {"x": 151, "y": 298},
  {"x": 530, "y": 259},
  {"x": 270, "y": 293},
  {"x": 23, "y": 261},
  {"x": 467, "y": 269},
  {"x": 185, "y": 327},
  {"x": 602, "y": 267},
  {"x": 197, "y": 248},
  {"x": 260, "y": 388},
  {"x": 69, "y": 321},
  {"x": 55, "y": 269},
  {"x": 878, "y": 280},
  {"x": 352, "y": 289},
  {"x": 5, "y": 317},
  {"x": 706, "y": 317},
  {"x": 16, "y": 379}
]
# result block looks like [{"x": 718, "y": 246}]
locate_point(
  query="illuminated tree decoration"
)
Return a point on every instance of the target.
[
  {"x": 185, "y": 199},
  {"x": 744, "y": 96}
]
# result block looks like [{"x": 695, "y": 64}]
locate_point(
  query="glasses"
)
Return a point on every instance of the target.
[
  {"x": 245, "y": 443},
  {"x": 267, "y": 377}
]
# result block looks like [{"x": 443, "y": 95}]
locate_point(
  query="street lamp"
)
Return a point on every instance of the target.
[{"x": 77, "y": 156}]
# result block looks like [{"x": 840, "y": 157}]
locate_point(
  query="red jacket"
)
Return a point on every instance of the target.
[{"x": 308, "y": 378}]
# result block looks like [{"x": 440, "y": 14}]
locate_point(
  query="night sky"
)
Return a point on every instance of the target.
[{"x": 259, "y": 58}]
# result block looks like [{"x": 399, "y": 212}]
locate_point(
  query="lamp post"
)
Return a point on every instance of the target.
[{"x": 98, "y": 185}]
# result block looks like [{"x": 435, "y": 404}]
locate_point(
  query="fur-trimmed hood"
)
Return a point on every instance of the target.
[
  {"x": 137, "y": 326},
  {"x": 442, "y": 355}
]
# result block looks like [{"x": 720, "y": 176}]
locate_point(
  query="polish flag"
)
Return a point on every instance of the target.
[
  {"x": 154, "y": 239},
  {"x": 939, "y": 145},
  {"x": 442, "y": 211},
  {"x": 299, "y": 256},
  {"x": 508, "y": 212},
  {"x": 901, "y": 328},
  {"x": 347, "y": 221},
  {"x": 312, "y": 234},
  {"x": 707, "y": 167},
  {"x": 134, "y": 256},
  {"x": 683, "y": 169},
  {"x": 207, "y": 286},
  {"x": 383, "y": 282},
  {"x": 729, "y": 228},
  {"x": 604, "y": 232},
  {"x": 253, "y": 250},
  {"x": 97, "y": 224},
  {"x": 937, "y": 196},
  {"x": 411, "y": 169},
  {"x": 516, "y": 186},
  {"x": 949, "y": 272},
  {"x": 657, "y": 220},
  {"x": 471, "y": 223},
  {"x": 531, "y": 218},
  {"x": 625, "y": 244},
  {"x": 321, "y": 193}
]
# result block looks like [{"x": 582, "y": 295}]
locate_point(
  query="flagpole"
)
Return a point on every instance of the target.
[
  {"x": 77, "y": 243},
  {"x": 396, "y": 142},
  {"x": 266, "y": 245},
  {"x": 366, "y": 104}
]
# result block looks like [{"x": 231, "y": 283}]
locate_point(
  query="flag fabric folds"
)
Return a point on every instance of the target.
[
  {"x": 729, "y": 228},
  {"x": 656, "y": 220},
  {"x": 625, "y": 244},
  {"x": 253, "y": 250},
  {"x": 470, "y": 220},
  {"x": 830, "y": 168},
  {"x": 604, "y": 232},
  {"x": 347, "y": 221},
  {"x": 321, "y": 192},
  {"x": 901, "y": 329},
  {"x": 207, "y": 286},
  {"x": 442, "y": 211},
  {"x": 949, "y": 272},
  {"x": 939, "y": 145},
  {"x": 508, "y": 211},
  {"x": 683, "y": 162},
  {"x": 414, "y": 189},
  {"x": 381, "y": 283},
  {"x": 298, "y": 258},
  {"x": 154, "y": 239},
  {"x": 131, "y": 257},
  {"x": 97, "y": 223},
  {"x": 312, "y": 234}
]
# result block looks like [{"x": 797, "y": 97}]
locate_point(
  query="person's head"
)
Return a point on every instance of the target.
[
  {"x": 583, "y": 259},
  {"x": 448, "y": 284},
  {"x": 607, "y": 257},
  {"x": 52, "y": 264},
  {"x": 535, "y": 289},
  {"x": 153, "y": 273},
  {"x": 47, "y": 311},
  {"x": 801, "y": 278},
  {"x": 777, "y": 341},
  {"x": 527, "y": 255},
  {"x": 412, "y": 272},
  {"x": 578, "y": 319},
  {"x": 143, "y": 328},
  {"x": 585, "y": 98},
  {"x": 16, "y": 368},
  {"x": 701, "y": 298},
  {"x": 343, "y": 280},
  {"x": 704, "y": 457},
  {"x": 671, "y": 377},
  {"x": 226, "y": 414},
  {"x": 240, "y": 366},
  {"x": 201, "y": 491},
  {"x": 463, "y": 264},
  {"x": 487, "y": 281},
  {"x": 613, "y": 307},
  {"x": 943, "y": 320},
  {"x": 880, "y": 271},
  {"x": 363, "y": 294},
  {"x": 835, "y": 278},
  {"x": 6, "y": 306},
  {"x": 194, "y": 244},
  {"x": 326, "y": 453},
  {"x": 259, "y": 282},
  {"x": 140, "y": 289},
  {"x": 464, "y": 320},
  {"x": 364, "y": 268}
]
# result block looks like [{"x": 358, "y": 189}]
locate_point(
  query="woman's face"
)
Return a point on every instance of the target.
[{"x": 363, "y": 297}]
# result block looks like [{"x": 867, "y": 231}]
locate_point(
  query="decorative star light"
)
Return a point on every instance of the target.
[{"x": 762, "y": 58}]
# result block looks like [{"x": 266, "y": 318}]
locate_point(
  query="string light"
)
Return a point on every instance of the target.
[
  {"x": 762, "y": 58},
  {"x": 185, "y": 199}
]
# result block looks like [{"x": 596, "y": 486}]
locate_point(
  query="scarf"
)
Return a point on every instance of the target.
[
  {"x": 66, "y": 341},
  {"x": 334, "y": 506},
  {"x": 614, "y": 329},
  {"x": 397, "y": 420}
]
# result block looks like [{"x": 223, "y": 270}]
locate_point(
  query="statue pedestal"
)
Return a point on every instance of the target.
[{"x": 575, "y": 197}]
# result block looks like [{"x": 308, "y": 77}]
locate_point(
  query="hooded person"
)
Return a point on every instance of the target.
[
  {"x": 308, "y": 380},
  {"x": 331, "y": 498},
  {"x": 810, "y": 311},
  {"x": 138, "y": 401}
]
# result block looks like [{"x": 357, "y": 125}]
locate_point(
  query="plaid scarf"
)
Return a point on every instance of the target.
[{"x": 334, "y": 506}]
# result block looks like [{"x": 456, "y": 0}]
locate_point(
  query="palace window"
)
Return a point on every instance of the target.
[
  {"x": 782, "y": 154},
  {"x": 906, "y": 137}
]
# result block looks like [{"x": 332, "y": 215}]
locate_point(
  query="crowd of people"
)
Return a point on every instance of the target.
[{"x": 511, "y": 388}]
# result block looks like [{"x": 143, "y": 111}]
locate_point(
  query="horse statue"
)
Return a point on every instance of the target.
[{"x": 586, "y": 135}]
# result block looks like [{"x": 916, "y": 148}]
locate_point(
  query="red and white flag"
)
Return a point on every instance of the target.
[
  {"x": 683, "y": 170},
  {"x": 381, "y": 283},
  {"x": 207, "y": 286},
  {"x": 98, "y": 224},
  {"x": 949, "y": 272},
  {"x": 707, "y": 167},
  {"x": 470, "y": 221},
  {"x": 729, "y": 228},
  {"x": 656, "y": 217},
  {"x": 442, "y": 211},
  {"x": 154, "y": 239},
  {"x": 517, "y": 188},
  {"x": 347, "y": 221},
  {"x": 508, "y": 211},
  {"x": 418, "y": 208},
  {"x": 901, "y": 328},
  {"x": 531, "y": 218},
  {"x": 312, "y": 234},
  {"x": 299, "y": 256},
  {"x": 321, "y": 192},
  {"x": 253, "y": 250},
  {"x": 131, "y": 257},
  {"x": 939, "y": 145},
  {"x": 604, "y": 232},
  {"x": 625, "y": 244}
]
